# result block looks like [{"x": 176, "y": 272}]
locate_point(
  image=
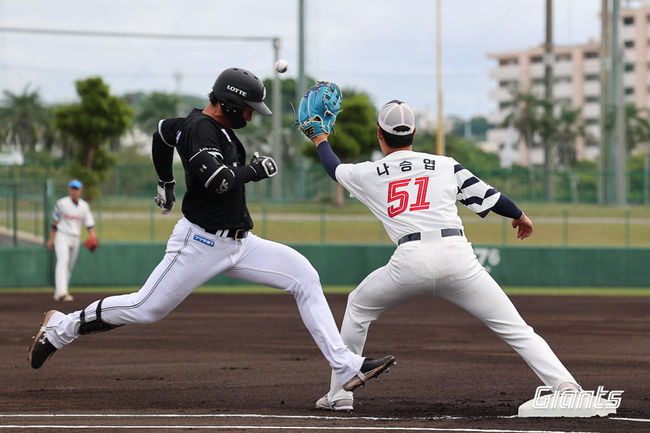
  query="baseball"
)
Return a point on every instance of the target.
[{"x": 281, "y": 66}]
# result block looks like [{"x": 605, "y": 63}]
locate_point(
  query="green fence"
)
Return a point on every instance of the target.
[
  {"x": 304, "y": 180},
  {"x": 23, "y": 207},
  {"x": 25, "y": 214},
  {"x": 116, "y": 264}
]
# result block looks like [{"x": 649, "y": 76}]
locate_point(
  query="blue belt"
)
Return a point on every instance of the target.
[{"x": 417, "y": 236}]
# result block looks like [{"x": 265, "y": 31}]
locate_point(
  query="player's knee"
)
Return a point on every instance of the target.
[
  {"x": 151, "y": 314},
  {"x": 307, "y": 282},
  {"x": 311, "y": 279}
]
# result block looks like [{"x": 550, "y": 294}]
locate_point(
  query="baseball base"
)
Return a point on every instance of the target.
[{"x": 528, "y": 410}]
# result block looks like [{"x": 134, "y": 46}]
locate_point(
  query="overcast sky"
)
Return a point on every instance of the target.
[{"x": 383, "y": 47}]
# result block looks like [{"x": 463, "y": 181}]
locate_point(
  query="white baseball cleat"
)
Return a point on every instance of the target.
[
  {"x": 343, "y": 404},
  {"x": 65, "y": 298}
]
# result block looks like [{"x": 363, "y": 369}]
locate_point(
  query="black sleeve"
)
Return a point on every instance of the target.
[
  {"x": 328, "y": 158},
  {"x": 170, "y": 130},
  {"x": 507, "y": 208},
  {"x": 206, "y": 161},
  {"x": 163, "y": 158}
]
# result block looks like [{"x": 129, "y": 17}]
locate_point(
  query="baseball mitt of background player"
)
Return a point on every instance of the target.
[
  {"x": 91, "y": 243},
  {"x": 318, "y": 109}
]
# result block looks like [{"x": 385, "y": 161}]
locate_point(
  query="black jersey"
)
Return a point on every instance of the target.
[{"x": 199, "y": 134}]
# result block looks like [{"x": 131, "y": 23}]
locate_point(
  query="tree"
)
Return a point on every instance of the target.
[
  {"x": 478, "y": 127},
  {"x": 24, "y": 118},
  {"x": 465, "y": 151},
  {"x": 91, "y": 124},
  {"x": 154, "y": 107},
  {"x": 524, "y": 116},
  {"x": 355, "y": 133},
  {"x": 637, "y": 126},
  {"x": 568, "y": 126}
]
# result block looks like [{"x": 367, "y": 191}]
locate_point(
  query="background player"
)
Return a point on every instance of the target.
[
  {"x": 69, "y": 214},
  {"x": 414, "y": 195},
  {"x": 213, "y": 237}
]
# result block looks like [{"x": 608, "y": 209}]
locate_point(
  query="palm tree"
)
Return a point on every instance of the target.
[
  {"x": 568, "y": 126},
  {"x": 637, "y": 126},
  {"x": 24, "y": 117},
  {"x": 524, "y": 115}
]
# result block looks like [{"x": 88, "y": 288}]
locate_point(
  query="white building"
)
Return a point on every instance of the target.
[{"x": 576, "y": 76}]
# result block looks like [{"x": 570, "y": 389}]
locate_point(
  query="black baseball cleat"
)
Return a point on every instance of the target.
[
  {"x": 371, "y": 367},
  {"x": 41, "y": 348}
]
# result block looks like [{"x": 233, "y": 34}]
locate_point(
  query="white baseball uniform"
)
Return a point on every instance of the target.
[
  {"x": 69, "y": 217},
  {"x": 412, "y": 192},
  {"x": 206, "y": 242},
  {"x": 192, "y": 257}
]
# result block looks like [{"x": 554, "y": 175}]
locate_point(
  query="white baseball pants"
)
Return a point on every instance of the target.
[
  {"x": 192, "y": 257},
  {"x": 66, "y": 248},
  {"x": 446, "y": 268}
]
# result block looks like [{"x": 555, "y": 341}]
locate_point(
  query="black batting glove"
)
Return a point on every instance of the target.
[
  {"x": 165, "y": 198},
  {"x": 264, "y": 167}
]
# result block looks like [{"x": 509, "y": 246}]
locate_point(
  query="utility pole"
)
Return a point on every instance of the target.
[
  {"x": 549, "y": 176},
  {"x": 605, "y": 65},
  {"x": 300, "y": 85},
  {"x": 440, "y": 128},
  {"x": 276, "y": 184},
  {"x": 618, "y": 151}
]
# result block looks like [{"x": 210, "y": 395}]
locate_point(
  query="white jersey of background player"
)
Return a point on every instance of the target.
[
  {"x": 68, "y": 216},
  {"x": 414, "y": 195}
]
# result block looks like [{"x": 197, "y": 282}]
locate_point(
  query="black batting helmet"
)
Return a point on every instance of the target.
[{"x": 240, "y": 87}]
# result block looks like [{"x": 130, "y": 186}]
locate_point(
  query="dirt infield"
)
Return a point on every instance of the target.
[{"x": 220, "y": 358}]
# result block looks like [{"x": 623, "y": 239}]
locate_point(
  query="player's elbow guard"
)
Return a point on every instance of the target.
[
  {"x": 216, "y": 176},
  {"x": 222, "y": 180}
]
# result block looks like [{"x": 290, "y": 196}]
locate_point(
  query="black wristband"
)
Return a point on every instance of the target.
[{"x": 54, "y": 227}]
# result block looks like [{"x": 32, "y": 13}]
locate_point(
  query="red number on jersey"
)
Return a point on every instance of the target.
[
  {"x": 420, "y": 203},
  {"x": 403, "y": 196}
]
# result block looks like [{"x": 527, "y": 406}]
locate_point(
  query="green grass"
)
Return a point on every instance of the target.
[
  {"x": 494, "y": 231},
  {"x": 533, "y": 209},
  {"x": 586, "y": 225},
  {"x": 244, "y": 289}
]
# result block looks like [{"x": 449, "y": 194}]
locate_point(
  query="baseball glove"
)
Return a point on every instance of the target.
[
  {"x": 318, "y": 109},
  {"x": 91, "y": 243}
]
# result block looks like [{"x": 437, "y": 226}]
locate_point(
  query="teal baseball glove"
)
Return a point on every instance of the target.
[{"x": 318, "y": 109}]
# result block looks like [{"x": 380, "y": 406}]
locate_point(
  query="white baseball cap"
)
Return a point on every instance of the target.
[{"x": 397, "y": 118}]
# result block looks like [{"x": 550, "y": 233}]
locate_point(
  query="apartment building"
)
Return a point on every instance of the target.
[{"x": 576, "y": 76}]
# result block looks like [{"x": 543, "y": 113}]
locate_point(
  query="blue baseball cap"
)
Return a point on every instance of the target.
[{"x": 74, "y": 183}]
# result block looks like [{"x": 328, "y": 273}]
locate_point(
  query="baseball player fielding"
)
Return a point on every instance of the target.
[{"x": 414, "y": 195}]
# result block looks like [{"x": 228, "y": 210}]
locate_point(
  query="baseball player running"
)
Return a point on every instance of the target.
[
  {"x": 69, "y": 214},
  {"x": 414, "y": 195},
  {"x": 214, "y": 236}
]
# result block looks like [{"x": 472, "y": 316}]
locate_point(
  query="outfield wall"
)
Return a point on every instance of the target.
[{"x": 122, "y": 264}]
